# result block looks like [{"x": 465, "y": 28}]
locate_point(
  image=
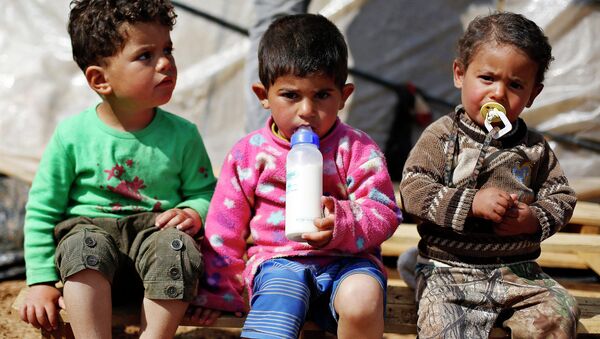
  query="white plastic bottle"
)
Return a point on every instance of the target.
[{"x": 304, "y": 184}]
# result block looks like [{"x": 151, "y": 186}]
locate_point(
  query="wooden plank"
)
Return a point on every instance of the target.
[
  {"x": 586, "y": 229},
  {"x": 401, "y": 314},
  {"x": 572, "y": 243},
  {"x": 580, "y": 289},
  {"x": 407, "y": 236},
  {"x": 401, "y": 310},
  {"x": 561, "y": 260},
  {"x": 587, "y": 188},
  {"x": 586, "y": 213},
  {"x": 592, "y": 260},
  {"x": 560, "y": 250}
]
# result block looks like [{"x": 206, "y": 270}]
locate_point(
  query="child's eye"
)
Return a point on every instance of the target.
[
  {"x": 322, "y": 95},
  {"x": 144, "y": 56},
  {"x": 289, "y": 95},
  {"x": 486, "y": 78},
  {"x": 168, "y": 51},
  {"x": 516, "y": 85}
]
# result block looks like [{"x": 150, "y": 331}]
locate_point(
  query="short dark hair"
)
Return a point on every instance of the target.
[
  {"x": 506, "y": 28},
  {"x": 95, "y": 25},
  {"x": 302, "y": 44}
]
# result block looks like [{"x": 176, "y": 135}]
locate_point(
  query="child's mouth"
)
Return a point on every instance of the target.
[{"x": 166, "y": 82}]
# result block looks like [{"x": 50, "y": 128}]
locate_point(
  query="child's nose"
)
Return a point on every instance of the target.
[
  {"x": 165, "y": 64},
  {"x": 499, "y": 92},
  {"x": 307, "y": 109}
]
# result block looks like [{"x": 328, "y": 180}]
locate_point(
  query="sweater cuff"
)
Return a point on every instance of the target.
[
  {"x": 460, "y": 208},
  {"x": 41, "y": 275},
  {"x": 545, "y": 226}
]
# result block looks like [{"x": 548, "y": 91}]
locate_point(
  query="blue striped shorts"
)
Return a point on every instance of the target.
[{"x": 288, "y": 291}]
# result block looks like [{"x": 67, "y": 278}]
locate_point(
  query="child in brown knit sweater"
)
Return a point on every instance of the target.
[{"x": 487, "y": 194}]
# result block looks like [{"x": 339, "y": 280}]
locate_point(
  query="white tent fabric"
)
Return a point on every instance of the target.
[
  {"x": 570, "y": 102},
  {"x": 399, "y": 41}
]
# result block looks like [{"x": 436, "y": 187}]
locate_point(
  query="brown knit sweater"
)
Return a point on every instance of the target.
[{"x": 520, "y": 162}]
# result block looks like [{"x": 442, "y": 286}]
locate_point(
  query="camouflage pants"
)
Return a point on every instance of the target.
[{"x": 456, "y": 302}]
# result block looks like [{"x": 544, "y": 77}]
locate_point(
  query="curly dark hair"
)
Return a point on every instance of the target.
[
  {"x": 95, "y": 25},
  {"x": 301, "y": 45},
  {"x": 510, "y": 29}
]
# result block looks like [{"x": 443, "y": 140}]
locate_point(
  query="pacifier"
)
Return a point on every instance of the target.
[{"x": 494, "y": 113}]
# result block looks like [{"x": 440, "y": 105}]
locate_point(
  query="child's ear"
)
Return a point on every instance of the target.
[
  {"x": 346, "y": 91},
  {"x": 458, "y": 73},
  {"x": 534, "y": 93},
  {"x": 262, "y": 94},
  {"x": 97, "y": 80}
]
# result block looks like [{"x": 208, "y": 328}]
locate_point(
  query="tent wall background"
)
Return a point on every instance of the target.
[{"x": 401, "y": 41}]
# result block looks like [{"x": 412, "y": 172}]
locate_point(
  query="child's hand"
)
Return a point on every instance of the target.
[
  {"x": 491, "y": 204},
  {"x": 186, "y": 220},
  {"x": 325, "y": 225},
  {"x": 518, "y": 220},
  {"x": 39, "y": 308}
]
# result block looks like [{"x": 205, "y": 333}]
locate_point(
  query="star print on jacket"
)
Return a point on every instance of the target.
[{"x": 250, "y": 199}]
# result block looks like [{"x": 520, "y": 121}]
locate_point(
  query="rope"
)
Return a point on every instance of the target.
[
  {"x": 396, "y": 88},
  {"x": 453, "y": 152}
]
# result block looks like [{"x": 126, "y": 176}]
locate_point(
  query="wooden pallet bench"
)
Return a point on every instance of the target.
[
  {"x": 562, "y": 250},
  {"x": 587, "y": 216},
  {"x": 400, "y": 316},
  {"x": 587, "y": 188}
]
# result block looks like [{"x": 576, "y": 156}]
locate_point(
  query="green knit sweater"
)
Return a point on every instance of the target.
[
  {"x": 89, "y": 169},
  {"x": 521, "y": 162}
]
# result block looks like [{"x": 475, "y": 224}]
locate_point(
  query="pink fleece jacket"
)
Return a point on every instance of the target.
[{"x": 250, "y": 200}]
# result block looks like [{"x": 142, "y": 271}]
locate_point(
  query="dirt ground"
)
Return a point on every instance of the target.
[
  {"x": 11, "y": 327},
  {"x": 10, "y": 324}
]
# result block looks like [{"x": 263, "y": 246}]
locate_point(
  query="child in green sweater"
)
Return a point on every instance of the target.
[{"x": 123, "y": 187}]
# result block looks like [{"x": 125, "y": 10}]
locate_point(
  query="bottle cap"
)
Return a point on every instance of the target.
[{"x": 305, "y": 135}]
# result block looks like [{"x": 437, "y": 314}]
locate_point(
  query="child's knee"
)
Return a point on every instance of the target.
[
  {"x": 359, "y": 297},
  {"x": 90, "y": 276},
  {"x": 170, "y": 265},
  {"x": 555, "y": 319}
]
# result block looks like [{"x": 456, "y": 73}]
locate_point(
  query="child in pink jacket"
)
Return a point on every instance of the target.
[{"x": 336, "y": 277}]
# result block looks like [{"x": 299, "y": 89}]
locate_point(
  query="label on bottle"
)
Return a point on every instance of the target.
[{"x": 304, "y": 188}]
